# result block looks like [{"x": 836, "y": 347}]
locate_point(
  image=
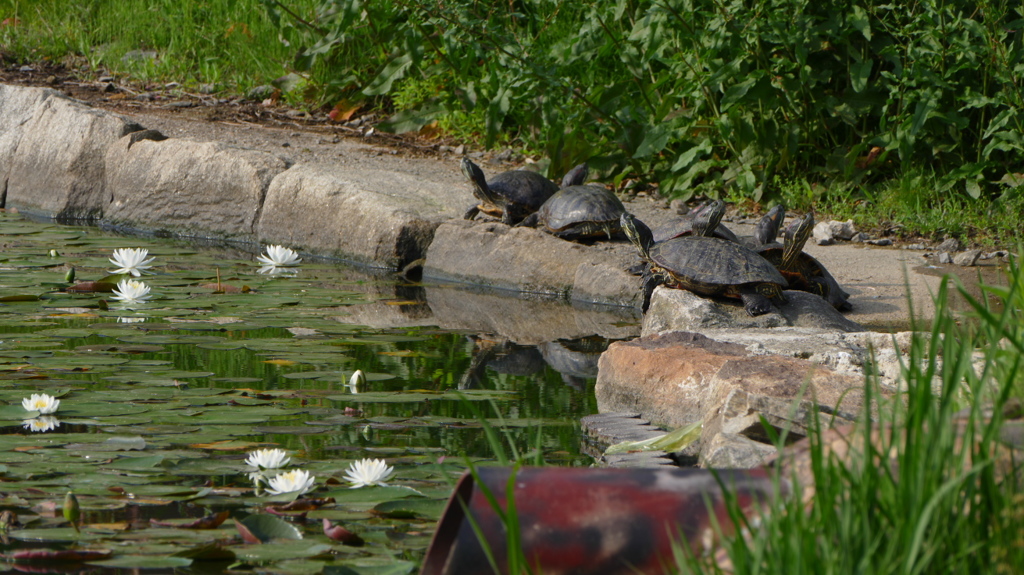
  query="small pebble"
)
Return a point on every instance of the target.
[
  {"x": 950, "y": 245},
  {"x": 879, "y": 242},
  {"x": 968, "y": 258}
]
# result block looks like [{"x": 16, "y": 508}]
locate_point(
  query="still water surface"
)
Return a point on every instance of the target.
[{"x": 163, "y": 400}]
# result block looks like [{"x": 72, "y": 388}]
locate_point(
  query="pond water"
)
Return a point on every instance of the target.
[{"x": 161, "y": 402}]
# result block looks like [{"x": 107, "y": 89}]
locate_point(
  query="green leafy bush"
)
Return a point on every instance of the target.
[{"x": 700, "y": 95}]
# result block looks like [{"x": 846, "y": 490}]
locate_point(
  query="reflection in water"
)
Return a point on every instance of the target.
[
  {"x": 501, "y": 356},
  {"x": 575, "y": 360},
  {"x": 41, "y": 424}
]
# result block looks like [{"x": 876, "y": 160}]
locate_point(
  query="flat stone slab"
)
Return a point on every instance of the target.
[{"x": 610, "y": 428}]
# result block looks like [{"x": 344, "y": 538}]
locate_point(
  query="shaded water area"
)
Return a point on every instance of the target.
[{"x": 162, "y": 401}]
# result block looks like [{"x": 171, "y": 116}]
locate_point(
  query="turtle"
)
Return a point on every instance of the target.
[
  {"x": 767, "y": 229},
  {"x": 801, "y": 269},
  {"x": 683, "y": 226},
  {"x": 705, "y": 265},
  {"x": 513, "y": 195},
  {"x": 576, "y": 212}
]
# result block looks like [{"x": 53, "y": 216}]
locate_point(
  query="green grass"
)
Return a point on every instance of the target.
[
  {"x": 913, "y": 205},
  {"x": 230, "y": 43}
]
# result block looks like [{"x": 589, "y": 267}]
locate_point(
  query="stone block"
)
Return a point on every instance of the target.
[
  {"x": 58, "y": 170},
  {"x": 185, "y": 188},
  {"x": 731, "y": 451},
  {"x": 496, "y": 255},
  {"x": 381, "y": 219},
  {"x": 17, "y": 107}
]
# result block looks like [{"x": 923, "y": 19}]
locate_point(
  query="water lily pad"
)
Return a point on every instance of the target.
[
  {"x": 143, "y": 562},
  {"x": 268, "y": 527},
  {"x": 284, "y": 550},
  {"x": 411, "y": 508},
  {"x": 371, "y": 567}
]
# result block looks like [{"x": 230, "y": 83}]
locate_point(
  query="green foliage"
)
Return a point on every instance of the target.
[
  {"x": 932, "y": 492},
  {"x": 699, "y": 94}
]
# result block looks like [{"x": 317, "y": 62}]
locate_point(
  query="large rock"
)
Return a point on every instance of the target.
[
  {"x": 58, "y": 169},
  {"x": 520, "y": 259},
  {"x": 17, "y": 107},
  {"x": 680, "y": 378},
  {"x": 382, "y": 219},
  {"x": 846, "y": 353},
  {"x": 732, "y": 451},
  {"x": 187, "y": 188},
  {"x": 607, "y": 283},
  {"x": 682, "y": 310}
]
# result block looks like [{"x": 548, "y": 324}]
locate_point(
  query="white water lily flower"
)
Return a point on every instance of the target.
[
  {"x": 353, "y": 382},
  {"x": 298, "y": 480},
  {"x": 366, "y": 472},
  {"x": 131, "y": 261},
  {"x": 131, "y": 291},
  {"x": 44, "y": 404},
  {"x": 41, "y": 424},
  {"x": 268, "y": 458},
  {"x": 279, "y": 256}
]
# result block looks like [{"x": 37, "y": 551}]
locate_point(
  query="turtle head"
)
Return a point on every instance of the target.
[
  {"x": 796, "y": 236},
  {"x": 768, "y": 228},
  {"x": 476, "y": 177},
  {"x": 576, "y": 176},
  {"x": 638, "y": 233},
  {"x": 705, "y": 222}
]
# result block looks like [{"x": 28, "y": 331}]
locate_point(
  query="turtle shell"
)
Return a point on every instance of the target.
[
  {"x": 523, "y": 188},
  {"x": 582, "y": 211},
  {"x": 712, "y": 266}
]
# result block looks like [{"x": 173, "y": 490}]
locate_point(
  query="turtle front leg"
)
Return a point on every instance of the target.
[
  {"x": 650, "y": 281},
  {"x": 757, "y": 300},
  {"x": 756, "y": 304},
  {"x": 471, "y": 212},
  {"x": 529, "y": 222}
]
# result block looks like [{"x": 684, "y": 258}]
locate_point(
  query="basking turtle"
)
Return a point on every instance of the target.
[
  {"x": 767, "y": 229},
  {"x": 579, "y": 212},
  {"x": 512, "y": 195},
  {"x": 683, "y": 226},
  {"x": 706, "y": 265},
  {"x": 801, "y": 270}
]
